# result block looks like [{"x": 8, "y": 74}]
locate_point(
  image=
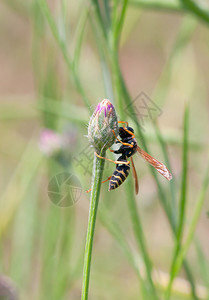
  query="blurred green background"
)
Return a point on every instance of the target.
[{"x": 55, "y": 66}]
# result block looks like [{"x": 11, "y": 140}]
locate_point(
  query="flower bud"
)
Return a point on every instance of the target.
[{"x": 101, "y": 126}]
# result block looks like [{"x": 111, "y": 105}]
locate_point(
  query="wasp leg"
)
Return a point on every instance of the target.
[
  {"x": 123, "y": 123},
  {"x": 119, "y": 141},
  {"x": 101, "y": 182},
  {"x": 126, "y": 144},
  {"x": 115, "y": 162},
  {"x": 126, "y": 128},
  {"x": 111, "y": 150},
  {"x": 131, "y": 133}
]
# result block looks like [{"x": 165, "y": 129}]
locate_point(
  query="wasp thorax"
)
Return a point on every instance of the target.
[{"x": 103, "y": 126}]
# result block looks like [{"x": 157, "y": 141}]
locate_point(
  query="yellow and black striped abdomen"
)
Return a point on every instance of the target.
[{"x": 119, "y": 176}]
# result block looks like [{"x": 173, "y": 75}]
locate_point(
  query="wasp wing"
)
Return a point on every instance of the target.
[
  {"x": 135, "y": 176},
  {"x": 160, "y": 167}
]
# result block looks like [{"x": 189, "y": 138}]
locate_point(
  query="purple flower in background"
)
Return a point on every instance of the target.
[
  {"x": 50, "y": 142},
  {"x": 59, "y": 146},
  {"x": 8, "y": 289}
]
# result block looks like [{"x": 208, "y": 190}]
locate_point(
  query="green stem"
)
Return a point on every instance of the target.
[
  {"x": 182, "y": 204},
  {"x": 99, "y": 17},
  {"x": 183, "y": 250},
  {"x": 195, "y": 9},
  {"x": 137, "y": 227},
  {"x": 117, "y": 82},
  {"x": 162, "y": 196},
  {"x": 98, "y": 168},
  {"x": 72, "y": 69},
  {"x": 115, "y": 230},
  {"x": 136, "y": 223},
  {"x": 173, "y": 203},
  {"x": 119, "y": 23},
  {"x": 153, "y": 5},
  {"x": 140, "y": 239},
  {"x": 184, "y": 177},
  {"x": 113, "y": 227}
]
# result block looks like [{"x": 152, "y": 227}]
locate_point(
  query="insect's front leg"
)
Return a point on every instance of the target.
[
  {"x": 115, "y": 162},
  {"x": 123, "y": 122},
  {"x": 123, "y": 147}
]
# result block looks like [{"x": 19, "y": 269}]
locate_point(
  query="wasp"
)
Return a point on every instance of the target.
[{"x": 127, "y": 149}]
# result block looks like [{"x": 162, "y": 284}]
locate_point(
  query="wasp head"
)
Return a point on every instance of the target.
[{"x": 123, "y": 133}]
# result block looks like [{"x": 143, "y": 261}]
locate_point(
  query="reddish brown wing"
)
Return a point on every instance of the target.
[
  {"x": 161, "y": 168},
  {"x": 135, "y": 176}
]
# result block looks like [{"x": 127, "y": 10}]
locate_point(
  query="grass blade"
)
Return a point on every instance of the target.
[{"x": 182, "y": 204}]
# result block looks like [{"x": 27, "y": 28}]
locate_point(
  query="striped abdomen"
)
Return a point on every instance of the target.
[{"x": 119, "y": 176}]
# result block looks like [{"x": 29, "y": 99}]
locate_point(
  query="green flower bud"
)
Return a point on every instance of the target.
[{"x": 101, "y": 126}]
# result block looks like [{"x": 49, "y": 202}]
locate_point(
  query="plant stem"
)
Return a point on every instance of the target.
[
  {"x": 196, "y": 10},
  {"x": 162, "y": 196},
  {"x": 120, "y": 91},
  {"x": 155, "y": 5},
  {"x": 119, "y": 23},
  {"x": 140, "y": 239},
  {"x": 182, "y": 204},
  {"x": 198, "y": 207},
  {"x": 98, "y": 168},
  {"x": 114, "y": 229},
  {"x": 72, "y": 69}
]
